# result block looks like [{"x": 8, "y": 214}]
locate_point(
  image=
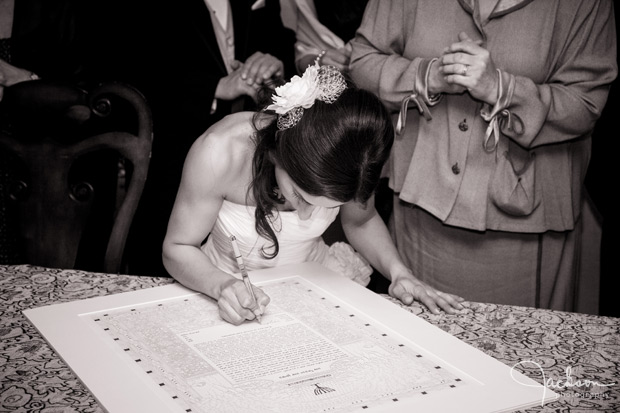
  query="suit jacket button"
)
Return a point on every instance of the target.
[
  {"x": 463, "y": 125},
  {"x": 455, "y": 169}
]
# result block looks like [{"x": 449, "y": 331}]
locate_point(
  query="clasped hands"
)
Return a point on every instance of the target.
[
  {"x": 465, "y": 66},
  {"x": 248, "y": 77}
]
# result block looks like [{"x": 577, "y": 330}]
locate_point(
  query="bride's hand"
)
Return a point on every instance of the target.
[{"x": 236, "y": 304}]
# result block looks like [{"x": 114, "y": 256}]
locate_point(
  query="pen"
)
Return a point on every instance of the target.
[{"x": 244, "y": 275}]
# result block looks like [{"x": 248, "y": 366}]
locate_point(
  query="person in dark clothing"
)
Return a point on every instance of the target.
[{"x": 195, "y": 61}]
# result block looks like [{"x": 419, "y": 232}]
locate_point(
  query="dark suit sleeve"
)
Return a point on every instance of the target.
[
  {"x": 177, "y": 63},
  {"x": 267, "y": 34}
]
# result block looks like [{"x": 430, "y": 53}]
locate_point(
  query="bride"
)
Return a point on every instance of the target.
[{"x": 275, "y": 180}]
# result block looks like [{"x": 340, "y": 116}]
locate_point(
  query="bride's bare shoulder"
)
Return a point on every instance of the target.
[
  {"x": 234, "y": 124},
  {"x": 226, "y": 148}
]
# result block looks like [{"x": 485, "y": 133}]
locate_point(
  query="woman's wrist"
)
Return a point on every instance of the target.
[
  {"x": 216, "y": 293},
  {"x": 319, "y": 57},
  {"x": 305, "y": 61},
  {"x": 433, "y": 81},
  {"x": 399, "y": 270}
]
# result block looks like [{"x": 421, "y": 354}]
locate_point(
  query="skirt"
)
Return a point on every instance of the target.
[{"x": 533, "y": 270}]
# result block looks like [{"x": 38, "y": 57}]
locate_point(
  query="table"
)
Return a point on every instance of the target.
[{"x": 574, "y": 353}]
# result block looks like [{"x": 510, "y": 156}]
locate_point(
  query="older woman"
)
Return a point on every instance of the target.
[{"x": 494, "y": 103}]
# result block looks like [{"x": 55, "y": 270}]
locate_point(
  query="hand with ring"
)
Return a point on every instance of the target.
[
  {"x": 437, "y": 82},
  {"x": 469, "y": 65}
]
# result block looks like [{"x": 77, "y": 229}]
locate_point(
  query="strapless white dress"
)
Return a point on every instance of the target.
[{"x": 300, "y": 241}]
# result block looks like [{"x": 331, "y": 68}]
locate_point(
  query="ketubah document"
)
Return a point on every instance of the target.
[{"x": 324, "y": 344}]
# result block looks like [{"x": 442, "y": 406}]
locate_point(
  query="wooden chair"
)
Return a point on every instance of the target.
[{"x": 52, "y": 206}]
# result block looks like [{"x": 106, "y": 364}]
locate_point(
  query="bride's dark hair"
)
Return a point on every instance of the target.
[{"x": 336, "y": 150}]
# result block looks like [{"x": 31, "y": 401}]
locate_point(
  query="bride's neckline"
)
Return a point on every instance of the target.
[
  {"x": 254, "y": 206},
  {"x": 292, "y": 211}
]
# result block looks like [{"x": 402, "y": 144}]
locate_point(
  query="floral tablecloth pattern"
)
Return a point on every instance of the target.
[{"x": 576, "y": 355}]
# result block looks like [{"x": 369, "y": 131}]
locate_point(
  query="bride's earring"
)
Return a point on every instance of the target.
[{"x": 278, "y": 195}]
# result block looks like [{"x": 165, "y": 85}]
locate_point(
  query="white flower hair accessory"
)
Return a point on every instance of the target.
[{"x": 324, "y": 83}]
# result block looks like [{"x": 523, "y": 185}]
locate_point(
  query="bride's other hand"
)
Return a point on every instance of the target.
[{"x": 408, "y": 288}]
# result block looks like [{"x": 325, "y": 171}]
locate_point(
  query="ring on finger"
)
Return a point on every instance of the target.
[{"x": 464, "y": 70}]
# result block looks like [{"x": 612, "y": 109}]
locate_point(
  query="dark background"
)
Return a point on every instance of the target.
[{"x": 603, "y": 186}]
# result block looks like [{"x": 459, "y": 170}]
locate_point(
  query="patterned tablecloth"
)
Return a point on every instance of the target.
[{"x": 576, "y": 355}]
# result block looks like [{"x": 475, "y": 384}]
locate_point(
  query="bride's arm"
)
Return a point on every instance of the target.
[
  {"x": 208, "y": 171},
  {"x": 367, "y": 233}
]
